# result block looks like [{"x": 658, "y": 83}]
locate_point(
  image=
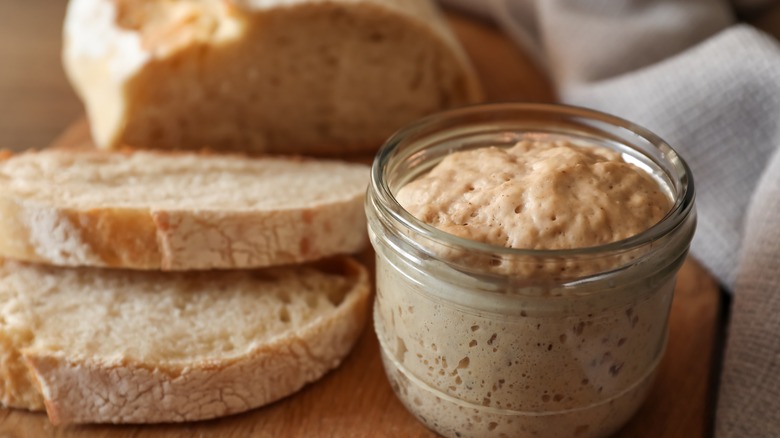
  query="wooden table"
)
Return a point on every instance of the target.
[{"x": 355, "y": 400}]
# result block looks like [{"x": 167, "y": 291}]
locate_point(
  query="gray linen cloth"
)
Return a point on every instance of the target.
[{"x": 710, "y": 86}]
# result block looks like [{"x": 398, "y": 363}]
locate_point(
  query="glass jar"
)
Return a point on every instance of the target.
[{"x": 483, "y": 340}]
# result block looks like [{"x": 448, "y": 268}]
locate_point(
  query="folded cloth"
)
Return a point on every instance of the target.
[{"x": 687, "y": 70}]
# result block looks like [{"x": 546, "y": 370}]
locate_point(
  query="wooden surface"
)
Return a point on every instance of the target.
[
  {"x": 36, "y": 102},
  {"x": 356, "y": 400}
]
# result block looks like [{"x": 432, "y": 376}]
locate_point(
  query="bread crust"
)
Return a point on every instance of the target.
[
  {"x": 117, "y": 390},
  {"x": 174, "y": 240}
]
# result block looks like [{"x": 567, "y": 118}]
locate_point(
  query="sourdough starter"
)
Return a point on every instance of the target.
[{"x": 540, "y": 362}]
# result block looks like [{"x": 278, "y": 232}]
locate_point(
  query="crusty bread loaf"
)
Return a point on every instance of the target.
[
  {"x": 120, "y": 346},
  {"x": 300, "y": 76},
  {"x": 178, "y": 211}
]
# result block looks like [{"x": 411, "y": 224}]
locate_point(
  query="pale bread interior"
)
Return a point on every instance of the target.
[{"x": 158, "y": 181}]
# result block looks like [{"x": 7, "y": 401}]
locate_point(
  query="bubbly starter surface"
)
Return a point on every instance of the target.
[{"x": 537, "y": 195}]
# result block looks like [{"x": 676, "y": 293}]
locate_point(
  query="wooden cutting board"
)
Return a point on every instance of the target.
[{"x": 356, "y": 400}]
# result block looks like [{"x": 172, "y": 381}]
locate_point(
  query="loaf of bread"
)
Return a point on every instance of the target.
[
  {"x": 119, "y": 346},
  {"x": 178, "y": 211},
  {"x": 286, "y": 76}
]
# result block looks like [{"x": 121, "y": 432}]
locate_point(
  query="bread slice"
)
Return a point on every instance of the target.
[
  {"x": 121, "y": 346},
  {"x": 297, "y": 76},
  {"x": 178, "y": 211}
]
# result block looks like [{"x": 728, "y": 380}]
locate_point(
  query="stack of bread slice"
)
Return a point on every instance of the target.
[
  {"x": 164, "y": 287},
  {"x": 140, "y": 287}
]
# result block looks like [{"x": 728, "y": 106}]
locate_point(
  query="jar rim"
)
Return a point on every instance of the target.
[{"x": 674, "y": 218}]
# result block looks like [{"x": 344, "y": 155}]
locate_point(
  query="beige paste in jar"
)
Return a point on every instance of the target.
[{"x": 578, "y": 373}]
